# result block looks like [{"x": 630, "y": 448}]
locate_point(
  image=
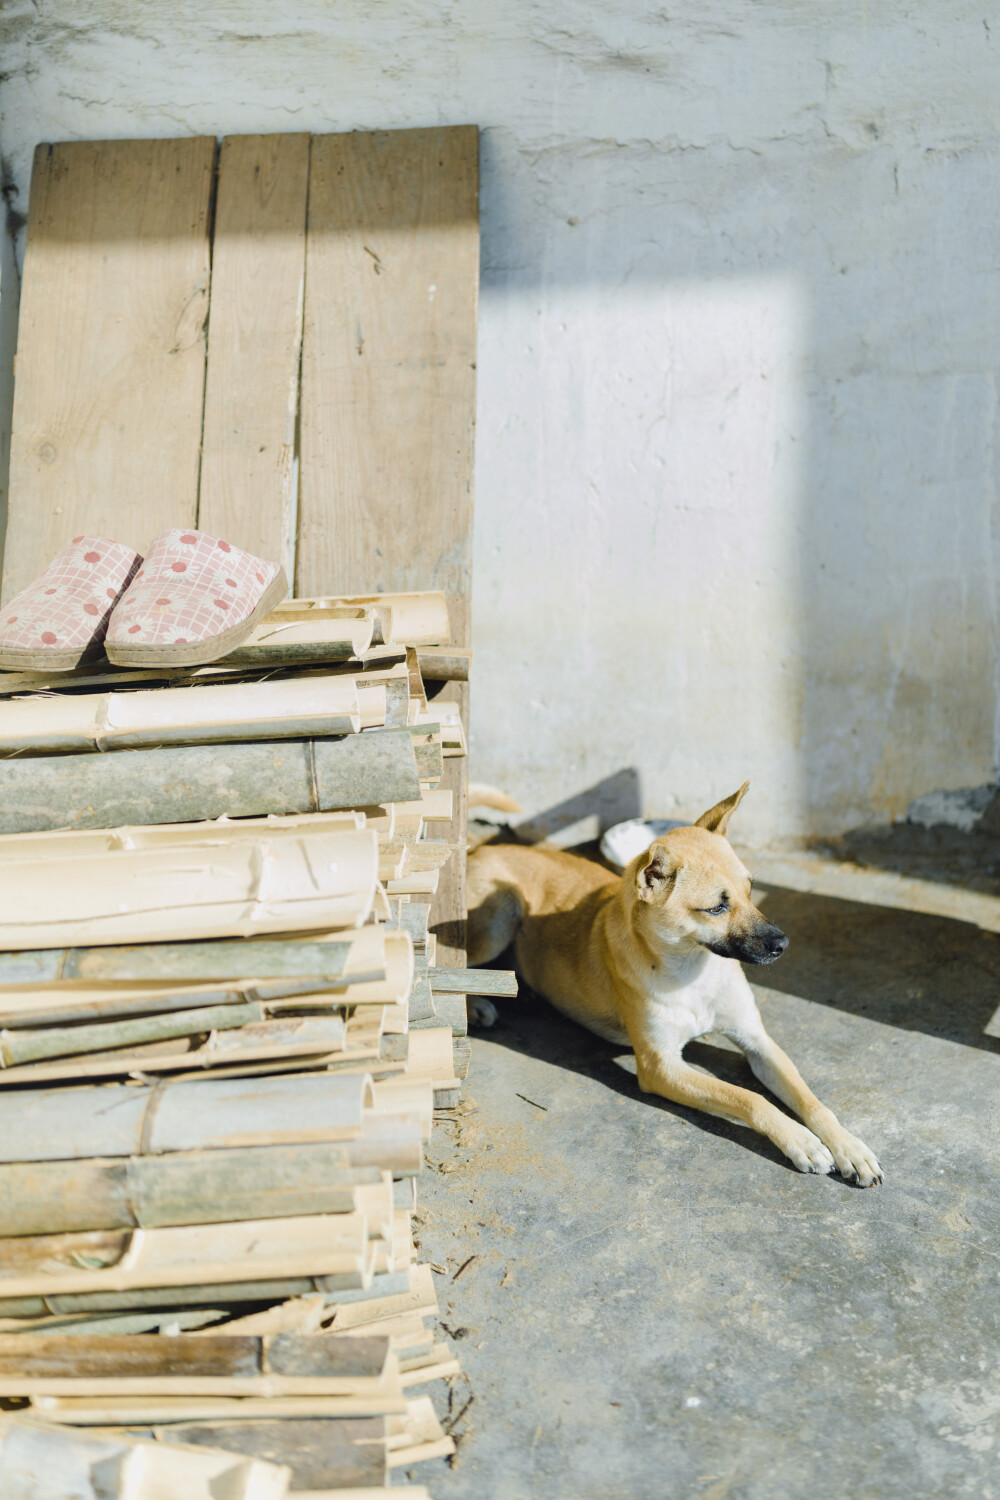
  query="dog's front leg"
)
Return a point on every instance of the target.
[
  {"x": 777, "y": 1072},
  {"x": 661, "y": 1070}
]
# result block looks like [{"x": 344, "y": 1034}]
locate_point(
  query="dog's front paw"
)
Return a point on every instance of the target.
[
  {"x": 481, "y": 1012},
  {"x": 805, "y": 1150},
  {"x": 855, "y": 1162}
]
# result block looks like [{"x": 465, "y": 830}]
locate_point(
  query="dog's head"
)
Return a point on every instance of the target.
[{"x": 698, "y": 892}]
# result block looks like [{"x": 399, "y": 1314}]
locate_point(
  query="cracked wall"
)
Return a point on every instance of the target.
[{"x": 736, "y": 469}]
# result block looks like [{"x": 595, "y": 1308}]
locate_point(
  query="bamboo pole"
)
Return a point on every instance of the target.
[
  {"x": 201, "y": 1186},
  {"x": 185, "y": 783},
  {"x": 291, "y": 708},
  {"x": 30, "y": 1046},
  {"x": 122, "y": 1120},
  {"x": 347, "y": 956}
]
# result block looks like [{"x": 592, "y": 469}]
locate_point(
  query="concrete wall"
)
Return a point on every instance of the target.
[{"x": 736, "y": 480}]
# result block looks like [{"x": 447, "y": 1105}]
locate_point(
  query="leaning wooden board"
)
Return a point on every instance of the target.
[{"x": 111, "y": 347}]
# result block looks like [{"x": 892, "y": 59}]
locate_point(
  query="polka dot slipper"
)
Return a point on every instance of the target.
[
  {"x": 195, "y": 599},
  {"x": 61, "y": 619}
]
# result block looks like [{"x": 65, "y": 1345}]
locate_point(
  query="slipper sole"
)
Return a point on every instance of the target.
[
  {"x": 198, "y": 653},
  {"x": 43, "y": 660}
]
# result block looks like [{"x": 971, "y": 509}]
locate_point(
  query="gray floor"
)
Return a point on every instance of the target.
[{"x": 659, "y": 1308}]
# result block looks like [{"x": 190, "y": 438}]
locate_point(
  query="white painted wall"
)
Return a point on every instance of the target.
[{"x": 737, "y": 463}]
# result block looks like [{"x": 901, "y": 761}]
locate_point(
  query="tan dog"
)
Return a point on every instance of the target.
[{"x": 652, "y": 959}]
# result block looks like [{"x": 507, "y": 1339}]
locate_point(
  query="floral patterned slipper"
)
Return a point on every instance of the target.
[
  {"x": 61, "y": 619},
  {"x": 195, "y": 599}
]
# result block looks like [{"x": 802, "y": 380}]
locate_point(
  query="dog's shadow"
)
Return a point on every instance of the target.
[{"x": 531, "y": 1026}]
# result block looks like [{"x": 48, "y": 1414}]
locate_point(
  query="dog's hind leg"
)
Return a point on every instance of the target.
[{"x": 493, "y": 925}]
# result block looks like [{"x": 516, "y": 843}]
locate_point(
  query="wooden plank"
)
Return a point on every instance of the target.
[
  {"x": 111, "y": 350},
  {"x": 182, "y": 783},
  {"x": 388, "y": 375},
  {"x": 254, "y": 343}
]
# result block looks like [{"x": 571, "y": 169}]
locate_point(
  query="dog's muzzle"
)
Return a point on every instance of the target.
[{"x": 762, "y": 946}]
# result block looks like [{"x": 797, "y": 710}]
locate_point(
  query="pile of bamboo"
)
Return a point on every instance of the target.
[{"x": 223, "y": 1036}]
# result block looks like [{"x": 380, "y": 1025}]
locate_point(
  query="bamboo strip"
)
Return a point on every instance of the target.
[
  {"x": 139, "y": 1411},
  {"x": 473, "y": 981},
  {"x": 119, "y": 1120},
  {"x": 184, "y": 783},
  {"x": 292, "y": 708}
]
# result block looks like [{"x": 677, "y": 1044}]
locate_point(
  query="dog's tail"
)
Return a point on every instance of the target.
[{"x": 489, "y": 796}]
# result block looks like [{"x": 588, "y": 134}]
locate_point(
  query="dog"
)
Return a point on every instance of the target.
[{"x": 652, "y": 960}]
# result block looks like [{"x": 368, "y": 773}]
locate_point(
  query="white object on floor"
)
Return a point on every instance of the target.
[{"x": 625, "y": 840}]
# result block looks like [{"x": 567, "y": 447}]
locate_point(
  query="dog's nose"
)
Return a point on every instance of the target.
[{"x": 775, "y": 943}]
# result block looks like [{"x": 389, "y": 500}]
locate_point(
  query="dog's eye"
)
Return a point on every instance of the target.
[{"x": 716, "y": 911}]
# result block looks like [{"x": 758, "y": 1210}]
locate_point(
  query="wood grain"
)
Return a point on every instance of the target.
[
  {"x": 388, "y": 377},
  {"x": 254, "y": 343},
  {"x": 111, "y": 347}
]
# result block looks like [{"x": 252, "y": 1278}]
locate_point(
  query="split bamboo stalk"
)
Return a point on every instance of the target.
[
  {"x": 213, "y": 1364},
  {"x": 293, "y": 708},
  {"x": 185, "y": 783},
  {"x": 347, "y": 956},
  {"x": 324, "y": 635},
  {"x": 63, "y": 843},
  {"x": 285, "y": 881},
  {"x": 116, "y": 1261},
  {"x": 46, "y": 1462},
  {"x": 201, "y": 1186},
  {"x": 414, "y": 618},
  {"x": 312, "y": 1041},
  {"x": 122, "y": 1120}
]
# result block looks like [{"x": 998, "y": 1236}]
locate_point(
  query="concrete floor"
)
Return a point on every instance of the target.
[{"x": 659, "y": 1307}]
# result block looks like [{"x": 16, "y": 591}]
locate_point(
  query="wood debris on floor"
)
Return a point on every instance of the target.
[{"x": 224, "y": 1035}]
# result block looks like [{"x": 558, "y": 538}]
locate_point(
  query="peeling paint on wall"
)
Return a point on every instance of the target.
[{"x": 737, "y": 475}]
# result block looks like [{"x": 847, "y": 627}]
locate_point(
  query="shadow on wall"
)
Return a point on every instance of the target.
[{"x": 613, "y": 799}]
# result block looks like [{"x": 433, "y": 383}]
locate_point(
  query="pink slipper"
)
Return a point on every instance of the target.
[
  {"x": 61, "y": 619},
  {"x": 194, "y": 599}
]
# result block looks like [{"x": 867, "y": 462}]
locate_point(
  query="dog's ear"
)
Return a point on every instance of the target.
[
  {"x": 716, "y": 820},
  {"x": 655, "y": 878}
]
